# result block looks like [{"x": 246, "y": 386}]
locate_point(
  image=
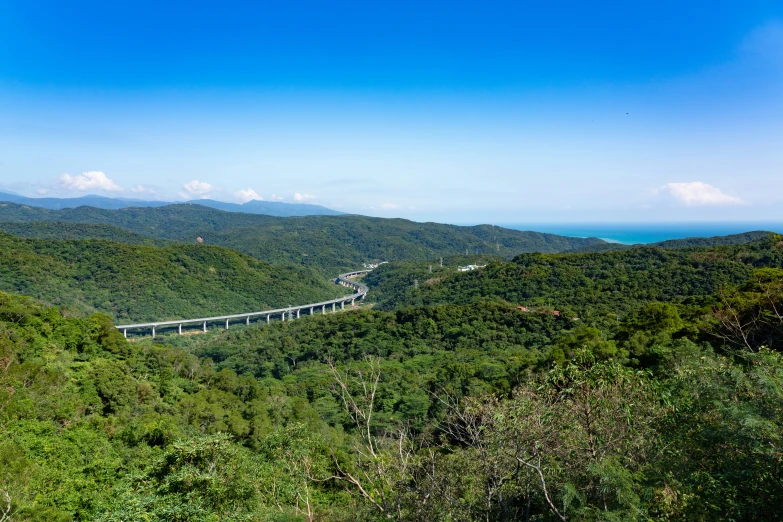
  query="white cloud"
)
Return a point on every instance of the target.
[
  {"x": 42, "y": 191},
  {"x": 276, "y": 198},
  {"x": 144, "y": 191},
  {"x": 88, "y": 181},
  {"x": 303, "y": 197},
  {"x": 389, "y": 206},
  {"x": 698, "y": 193},
  {"x": 196, "y": 188},
  {"x": 246, "y": 195}
]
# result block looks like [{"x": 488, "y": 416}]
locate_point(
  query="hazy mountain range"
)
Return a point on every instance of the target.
[{"x": 271, "y": 208}]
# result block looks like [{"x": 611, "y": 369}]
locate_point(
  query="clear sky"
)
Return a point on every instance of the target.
[{"x": 448, "y": 111}]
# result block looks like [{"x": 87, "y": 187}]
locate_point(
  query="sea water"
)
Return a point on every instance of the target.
[{"x": 634, "y": 233}]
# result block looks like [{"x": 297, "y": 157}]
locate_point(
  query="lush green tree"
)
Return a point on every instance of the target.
[{"x": 201, "y": 479}]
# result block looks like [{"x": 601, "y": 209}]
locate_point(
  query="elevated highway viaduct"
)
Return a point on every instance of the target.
[{"x": 291, "y": 312}]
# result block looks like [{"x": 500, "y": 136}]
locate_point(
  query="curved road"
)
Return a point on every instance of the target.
[{"x": 342, "y": 279}]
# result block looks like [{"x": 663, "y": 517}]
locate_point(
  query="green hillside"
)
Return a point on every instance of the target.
[
  {"x": 731, "y": 239},
  {"x": 95, "y": 428},
  {"x": 672, "y": 412},
  {"x": 62, "y": 231},
  {"x": 390, "y": 282},
  {"x": 661, "y": 401},
  {"x": 585, "y": 284},
  {"x": 689, "y": 242},
  {"x": 659, "y": 404},
  {"x": 326, "y": 243},
  {"x": 143, "y": 283}
]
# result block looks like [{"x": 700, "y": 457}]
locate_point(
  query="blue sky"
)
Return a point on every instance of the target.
[{"x": 456, "y": 112}]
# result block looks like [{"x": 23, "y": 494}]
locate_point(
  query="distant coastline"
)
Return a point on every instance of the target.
[{"x": 634, "y": 233}]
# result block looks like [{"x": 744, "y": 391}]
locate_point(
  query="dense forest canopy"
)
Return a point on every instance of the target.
[
  {"x": 93, "y": 427},
  {"x": 586, "y": 285},
  {"x": 61, "y": 231},
  {"x": 731, "y": 239},
  {"x": 478, "y": 413},
  {"x": 654, "y": 395},
  {"x": 326, "y": 243},
  {"x": 144, "y": 283}
]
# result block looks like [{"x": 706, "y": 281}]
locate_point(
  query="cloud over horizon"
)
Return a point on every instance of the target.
[
  {"x": 141, "y": 190},
  {"x": 196, "y": 189},
  {"x": 698, "y": 193},
  {"x": 245, "y": 195},
  {"x": 88, "y": 181},
  {"x": 304, "y": 197}
]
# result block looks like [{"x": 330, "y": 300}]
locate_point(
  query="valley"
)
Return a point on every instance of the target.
[
  {"x": 391, "y": 261},
  {"x": 442, "y": 381}
]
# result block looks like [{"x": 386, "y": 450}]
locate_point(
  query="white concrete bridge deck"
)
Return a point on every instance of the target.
[{"x": 342, "y": 279}]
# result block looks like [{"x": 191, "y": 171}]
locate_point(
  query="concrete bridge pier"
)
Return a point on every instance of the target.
[
  {"x": 180, "y": 328},
  {"x": 323, "y": 309},
  {"x": 125, "y": 333},
  {"x": 153, "y": 331},
  {"x": 205, "y": 326},
  {"x": 342, "y": 305},
  {"x": 248, "y": 320},
  {"x": 352, "y": 302},
  {"x": 311, "y": 310},
  {"x": 267, "y": 319},
  {"x": 282, "y": 318},
  {"x": 333, "y": 308},
  {"x": 226, "y": 324},
  {"x": 297, "y": 313}
]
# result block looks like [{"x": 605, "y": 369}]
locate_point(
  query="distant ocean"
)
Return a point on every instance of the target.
[{"x": 633, "y": 233}]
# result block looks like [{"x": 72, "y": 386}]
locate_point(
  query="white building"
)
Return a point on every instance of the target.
[{"x": 469, "y": 268}]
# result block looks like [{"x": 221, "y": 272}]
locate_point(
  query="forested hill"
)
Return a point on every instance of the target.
[
  {"x": 586, "y": 284},
  {"x": 688, "y": 242},
  {"x": 326, "y": 243},
  {"x": 426, "y": 413},
  {"x": 62, "y": 231},
  {"x": 731, "y": 239},
  {"x": 143, "y": 283}
]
